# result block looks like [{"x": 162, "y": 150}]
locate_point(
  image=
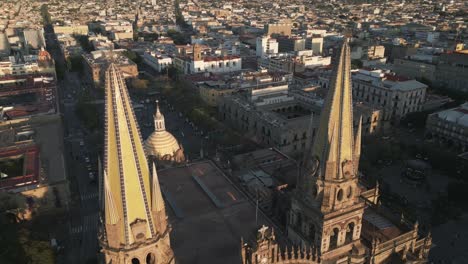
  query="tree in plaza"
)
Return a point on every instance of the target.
[
  {"x": 17, "y": 244},
  {"x": 139, "y": 84},
  {"x": 133, "y": 56}
]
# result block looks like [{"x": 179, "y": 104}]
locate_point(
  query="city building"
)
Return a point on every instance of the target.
[
  {"x": 395, "y": 95},
  {"x": 372, "y": 121},
  {"x": 96, "y": 62},
  {"x": 270, "y": 115},
  {"x": 290, "y": 44},
  {"x": 73, "y": 29},
  {"x": 28, "y": 95},
  {"x": 197, "y": 62},
  {"x": 159, "y": 62},
  {"x": 214, "y": 86},
  {"x": 452, "y": 71},
  {"x": 27, "y": 64},
  {"x": 161, "y": 144},
  {"x": 266, "y": 45},
  {"x": 34, "y": 38},
  {"x": 280, "y": 28},
  {"x": 315, "y": 43},
  {"x": 421, "y": 70},
  {"x": 293, "y": 63},
  {"x": 134, "y": 225},
  {"x": 449, "y": 127}
]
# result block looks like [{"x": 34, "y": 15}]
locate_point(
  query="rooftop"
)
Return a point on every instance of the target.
[
  {"x": 203, "y": 203},
  {"x": 458, "y": 115}
]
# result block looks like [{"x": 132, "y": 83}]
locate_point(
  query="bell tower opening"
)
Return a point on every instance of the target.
[
  {"x": 334, "y": 238},
  {"x": 349, "y": 233},
  {"x": 150, "y": 258}
]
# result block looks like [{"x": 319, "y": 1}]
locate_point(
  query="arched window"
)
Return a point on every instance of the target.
[
  {"x": 150, "y": 258},
  {"x": 339, "y": 195},
  {"x": 334, "y": 238},
  {"x": 349, "y": 232},
  {"x": 350, "y": 192},
  {"x": 135, "y": 261}
]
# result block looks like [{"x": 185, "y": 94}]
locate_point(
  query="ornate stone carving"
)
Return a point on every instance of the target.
[
  {"x": 139, "y": 229},
  {"x": 347, "y": 168}
]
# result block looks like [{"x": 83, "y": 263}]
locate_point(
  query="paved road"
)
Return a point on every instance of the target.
[{"x": 83, "y": 227}]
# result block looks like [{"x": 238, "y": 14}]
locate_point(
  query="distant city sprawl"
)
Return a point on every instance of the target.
[{"x": 233, "y": 132}]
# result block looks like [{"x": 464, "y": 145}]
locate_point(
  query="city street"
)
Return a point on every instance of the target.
[{"x": 84, "y": 221}]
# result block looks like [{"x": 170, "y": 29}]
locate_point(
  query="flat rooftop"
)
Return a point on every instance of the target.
[{"x": 208, "y": 213}]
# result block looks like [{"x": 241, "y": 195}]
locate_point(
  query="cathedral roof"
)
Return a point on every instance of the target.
[{"x": 127, "y": 178}]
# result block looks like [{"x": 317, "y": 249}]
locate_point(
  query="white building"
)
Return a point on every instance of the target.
[
  {"x": 216, "y": 64},
  {"x": 157, "y": 61},
  {"x": 266, "y": 45},
  {"x": 397, "y": 96}
]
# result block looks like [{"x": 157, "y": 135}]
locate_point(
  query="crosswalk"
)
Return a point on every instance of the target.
[
  {"x": 89, "y": 196},
  {"x": 90, "y": 223}
]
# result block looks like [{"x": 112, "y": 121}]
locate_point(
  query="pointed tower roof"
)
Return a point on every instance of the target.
[
  {"x": 157, "y": 202},
  {"x": 333, "y": 142},
  {"x": 125, "y": 161},
  {"x": 159, "y": 124}
]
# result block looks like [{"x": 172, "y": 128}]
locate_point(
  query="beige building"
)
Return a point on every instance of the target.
[
  {"x": 415, "y": 69},
  {"x": 97, "y": 61},
  {"x": 271, "y": 116},
  {"x": 449, "y": 127},
  {"x": 375, "y": 52},
  {"x": 212, "y": 91},
  {"x": 72, "y": 29},
  {"x": 278, "y": 29}
]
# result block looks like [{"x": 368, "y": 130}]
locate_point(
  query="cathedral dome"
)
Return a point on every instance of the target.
[{"x": 162, "y": 144}]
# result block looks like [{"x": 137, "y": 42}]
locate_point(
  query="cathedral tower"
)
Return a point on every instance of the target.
[
  {"x": 134, "y": 223},
  {"x": 326, "y": 211}
]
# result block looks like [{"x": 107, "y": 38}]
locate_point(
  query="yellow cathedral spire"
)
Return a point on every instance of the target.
[
  {"x": 328, "y": 194},
  {"x": 333, "y": 144},
  {"x": 127, "y": 191}
]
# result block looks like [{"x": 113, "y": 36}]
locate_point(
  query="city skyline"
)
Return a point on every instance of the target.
[{"x": 199, "y": 131}]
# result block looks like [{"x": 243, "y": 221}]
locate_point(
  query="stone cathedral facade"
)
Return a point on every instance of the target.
[{"x": 333, "y": 219}]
